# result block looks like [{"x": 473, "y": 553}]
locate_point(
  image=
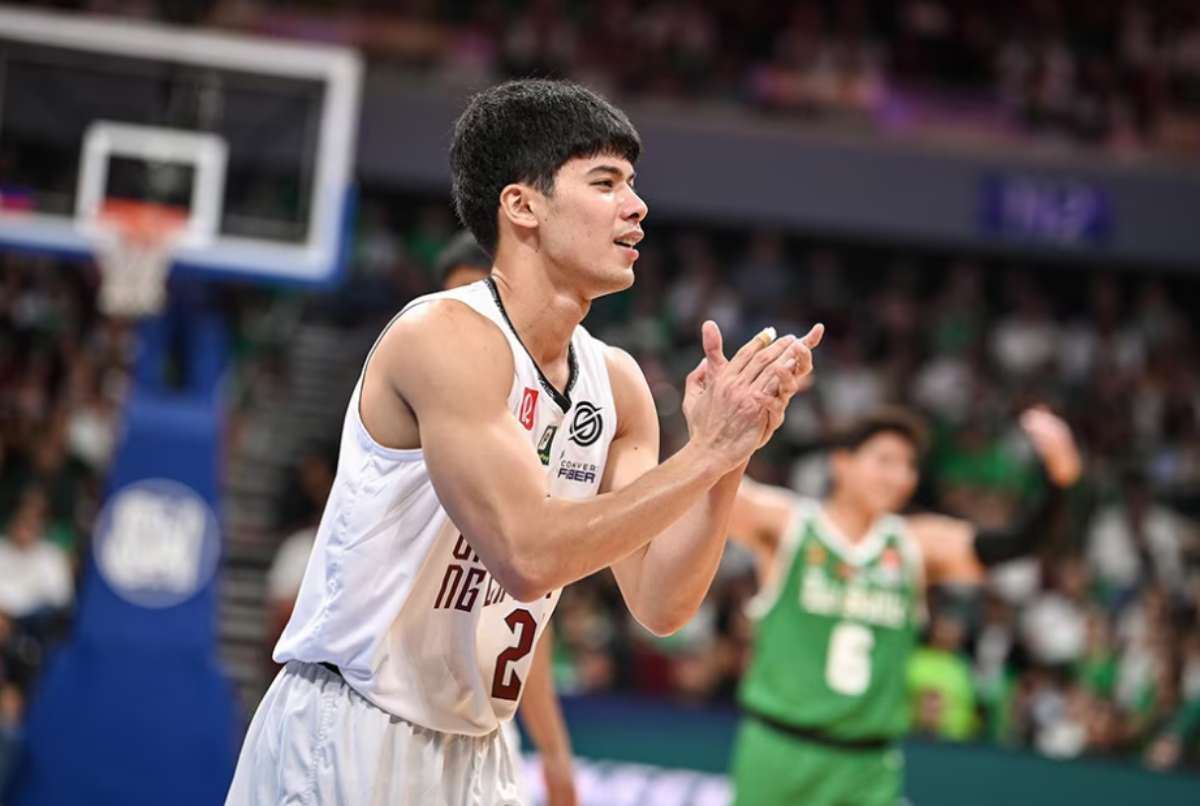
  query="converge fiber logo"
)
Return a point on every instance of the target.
[{"x": 157, "y": 543}]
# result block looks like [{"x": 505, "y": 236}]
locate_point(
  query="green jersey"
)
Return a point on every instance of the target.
[{"x": 836, "y": 625}]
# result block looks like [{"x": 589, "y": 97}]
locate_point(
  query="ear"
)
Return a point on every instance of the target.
[{"x": 518, "y": 204}]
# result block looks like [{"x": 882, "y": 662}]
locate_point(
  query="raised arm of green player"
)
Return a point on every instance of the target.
[{"x": 954, "y": 550}]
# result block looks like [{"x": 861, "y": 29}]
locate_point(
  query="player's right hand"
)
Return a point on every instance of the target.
[{"x": 733, "y": 405}]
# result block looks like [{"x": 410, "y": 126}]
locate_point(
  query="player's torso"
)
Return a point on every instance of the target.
[
  {"x": 399, "y": 599},
  {"x": 836, "y": 626}
]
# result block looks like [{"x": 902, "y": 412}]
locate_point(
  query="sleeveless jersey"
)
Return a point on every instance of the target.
[
  {"x": 393, "y": 593},
  {"x": 836, "y": 625}
]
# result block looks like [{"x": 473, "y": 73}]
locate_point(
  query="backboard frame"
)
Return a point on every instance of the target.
[
  {"x": 207, "y": 153},
  {"x": 319, "y": 259}
]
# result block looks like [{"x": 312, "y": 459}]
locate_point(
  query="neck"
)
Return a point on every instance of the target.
[
  {"x": 543, "y": 311},
  {"x": 851, "y": 519}
]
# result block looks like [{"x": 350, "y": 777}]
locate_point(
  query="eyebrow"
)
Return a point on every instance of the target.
[{"x": 612, "y": 169}]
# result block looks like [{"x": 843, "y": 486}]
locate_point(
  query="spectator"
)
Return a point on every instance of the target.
[
  {"x": 1136, "y": 540},
  {"x": 940, "y": 684},
  {"x": 35, "y": 574}
]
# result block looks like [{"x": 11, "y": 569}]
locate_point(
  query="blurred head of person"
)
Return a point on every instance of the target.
[
  {"x": 875, "y": 461},
  {"x": 462, "y": 262},
  {"x": 542, "y": 173},
  {"x": 948, "y": 630},
  {"x": 28, "y": 521},
  {"x": 315, "y": 473}
]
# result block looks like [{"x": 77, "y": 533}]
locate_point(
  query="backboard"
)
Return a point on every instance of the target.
[{"x": 253, "y": 137}]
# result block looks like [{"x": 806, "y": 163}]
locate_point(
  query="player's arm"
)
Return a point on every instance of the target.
[
  {"x": 452, "y": 369},
  {"x": 956, "y": 551},
  {"x": 760, "y": 518},
  {"x": 665, "y": 581},
  {"x": 543, "y": 718}
]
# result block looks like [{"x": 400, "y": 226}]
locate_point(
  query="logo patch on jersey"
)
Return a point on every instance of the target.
[
  {"x": 891, "y": 567},
  {"x": 587, "y": 425},
  {"x": 583, "y": 472},
  {"x": 545, "y": 442},
  {"x": 816, "y": 555},
  {"x": 528, "y": 408}
]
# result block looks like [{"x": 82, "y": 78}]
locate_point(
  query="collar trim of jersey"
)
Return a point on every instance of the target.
[
  {"x": 858, "y": 553},
  {"x": 563, "y": 398}
]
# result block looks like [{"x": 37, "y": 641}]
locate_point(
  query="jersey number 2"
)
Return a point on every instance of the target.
[
  {"x": 848, "y": 661},
  {"x": 522, "y": 624}
]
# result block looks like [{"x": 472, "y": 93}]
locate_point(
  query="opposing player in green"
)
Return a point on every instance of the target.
[{"x": 841, "y": 604}]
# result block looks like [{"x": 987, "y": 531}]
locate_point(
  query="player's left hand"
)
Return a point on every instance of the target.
[
  {"x": 559, "y": 778},
  {"x": 797, "y": 381},
  {"x": 1054, "y": 443}
]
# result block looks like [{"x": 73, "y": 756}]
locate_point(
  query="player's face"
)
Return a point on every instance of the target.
[
  {"x": 592, "y": 223},
  {"x": 881, "y": 474}
]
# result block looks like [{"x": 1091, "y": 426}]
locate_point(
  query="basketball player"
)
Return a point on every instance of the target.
[
  {"x": 461, "y": 263},
  {"x": 825, "y": 699},
  {"x": 492, "y": 452}
]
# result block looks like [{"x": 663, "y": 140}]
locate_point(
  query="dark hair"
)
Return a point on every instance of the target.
[
  {"x": 524, "y": 131},
  {"x": 887, "y": 420},
  {"x": 463, "y": 250}
]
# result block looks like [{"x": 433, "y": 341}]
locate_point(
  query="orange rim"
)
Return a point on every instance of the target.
[{"x": 141, "y": 220}]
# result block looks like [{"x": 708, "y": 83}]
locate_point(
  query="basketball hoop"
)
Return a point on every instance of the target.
[{"x": 134, "y": 246}]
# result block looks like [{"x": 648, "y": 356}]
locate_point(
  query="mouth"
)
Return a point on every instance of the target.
[{"x": 629, "y": 242}]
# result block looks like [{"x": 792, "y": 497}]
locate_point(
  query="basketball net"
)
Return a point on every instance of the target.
[{"x": 133, "y": 250}]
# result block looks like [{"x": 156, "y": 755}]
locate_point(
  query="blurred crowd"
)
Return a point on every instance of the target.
[
  {"x": 1125, "y": 76},
  {"x": 1092, "y": 647},
  {"x": 64, "y": 372}
]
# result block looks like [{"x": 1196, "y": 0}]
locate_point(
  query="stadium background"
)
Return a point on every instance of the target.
[{"x": 986, "y": 206}]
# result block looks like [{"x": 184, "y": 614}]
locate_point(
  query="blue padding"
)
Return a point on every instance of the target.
[
  {"x": 134, "y": 709},
  {"x": 136, "y": 727}
]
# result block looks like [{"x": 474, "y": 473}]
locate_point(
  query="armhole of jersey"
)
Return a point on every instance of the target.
[
  {"x": 360, "y": 424},
  {"x": 601, "y": 352},
  {"x": 916, "y": 556},
  {"x": 781, "y": 566}
]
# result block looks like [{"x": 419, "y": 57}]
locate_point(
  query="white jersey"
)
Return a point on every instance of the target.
[{"x": 393, "y": 594}]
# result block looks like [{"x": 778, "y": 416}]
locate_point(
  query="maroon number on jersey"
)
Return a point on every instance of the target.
[{"x": 523, "y": 625}]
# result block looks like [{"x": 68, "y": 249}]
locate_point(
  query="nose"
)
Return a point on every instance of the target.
[{"x": 635, "y": 207}]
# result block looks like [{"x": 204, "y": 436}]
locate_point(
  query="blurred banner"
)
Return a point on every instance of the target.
[
  {"x": 658, "y": 754},
  {"x": 1010, "y": 199}
]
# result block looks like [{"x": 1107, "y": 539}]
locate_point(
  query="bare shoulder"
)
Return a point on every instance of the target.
[
  {"x": 439, "y": 359},
  {"x": 631, "y": 392},
  {"x": 623, "y": 371},
  {"x": 445, "y": 346}
]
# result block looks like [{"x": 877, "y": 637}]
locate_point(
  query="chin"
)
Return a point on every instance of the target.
[
  {"x": 886, "y": 506},
  {"x": 625, "y": 278},
  {"x": 611, "y": 282}
]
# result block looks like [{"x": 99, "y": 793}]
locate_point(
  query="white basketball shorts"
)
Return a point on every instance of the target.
[{"x": 314, "y": 741}]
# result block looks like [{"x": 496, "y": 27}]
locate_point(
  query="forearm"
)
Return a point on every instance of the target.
[
  {"x": 540, "y": 711},
  {"x": 1027, "y": 531},
  {"x": 687, "y": 553},
  {"x": 564, "y": 539}
]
